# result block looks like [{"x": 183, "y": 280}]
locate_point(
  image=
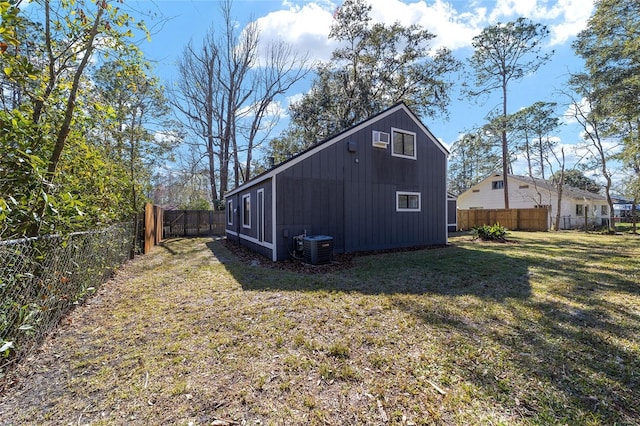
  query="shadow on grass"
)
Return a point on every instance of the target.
[
  {"x": 569, "y": 353},
  {"x": 452, "y": 271},
  {"x": 562, "y": 352}
]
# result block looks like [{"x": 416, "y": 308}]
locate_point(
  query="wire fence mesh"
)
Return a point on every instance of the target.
[{"x": 42, "y": 278}]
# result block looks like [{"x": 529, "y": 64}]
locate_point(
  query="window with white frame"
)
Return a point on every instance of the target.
[
  {"x": 404, "y": 144},
  {"x": 604, "y": 210},
  {"x": 246, "y": 211},
  {"x": 230, "y": 212},
  {"x": 408, "y": 201},
  {"x": 497, "y": 184},
  {"x": 581, "y": 209}
]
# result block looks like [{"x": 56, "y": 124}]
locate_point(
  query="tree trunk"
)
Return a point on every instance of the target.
[
  {"x": 634, "y": 227},
  {"x": 63, "y": 132},
  {"x": 560, "y": 186},
  {"x": 505, "y": 147}
]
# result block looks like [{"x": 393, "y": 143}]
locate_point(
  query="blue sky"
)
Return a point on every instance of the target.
[{"x": 305, "y": 25}]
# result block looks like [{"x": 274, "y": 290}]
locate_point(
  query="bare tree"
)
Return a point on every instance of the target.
[
  {"x": 194, "y": 96},
  {"x": 225, "y": 92},
  {"x": 558, "y": 181},
  {"x": 594, "y": 127},
  {"x": 281, "y": 69}
]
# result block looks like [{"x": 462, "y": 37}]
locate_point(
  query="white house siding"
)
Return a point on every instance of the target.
[{"x": 523, "y": 194}]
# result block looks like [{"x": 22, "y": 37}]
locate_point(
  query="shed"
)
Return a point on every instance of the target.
[{"x": 381, "y": 184}]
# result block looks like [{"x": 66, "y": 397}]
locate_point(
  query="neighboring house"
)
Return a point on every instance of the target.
[
  {"x": 380, "y": 184},
  {"x": 622, "y": 210},
  {"x": 525, "y": 192}
]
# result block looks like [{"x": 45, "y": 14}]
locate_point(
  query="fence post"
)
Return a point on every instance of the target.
[
  {"x": 159, "y": 219},
  {"x": 149, "y": 232},
  {"x": 184, "y": 222}
]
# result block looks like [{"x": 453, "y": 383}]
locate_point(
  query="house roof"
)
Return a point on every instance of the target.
[
  {"x": 567, "y": 191},
  {"x": 333, "y": 139}
]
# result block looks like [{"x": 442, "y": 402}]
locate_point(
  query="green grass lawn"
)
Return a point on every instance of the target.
[{"x": 544, "y": 329}]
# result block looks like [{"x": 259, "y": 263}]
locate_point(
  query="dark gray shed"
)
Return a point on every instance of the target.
[{"x": 381, "y": 184}]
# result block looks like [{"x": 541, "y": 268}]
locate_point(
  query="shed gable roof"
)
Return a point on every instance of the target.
[{"x": 335, "y": 138}]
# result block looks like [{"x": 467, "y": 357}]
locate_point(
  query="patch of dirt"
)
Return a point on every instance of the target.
[{"x": 340, "y": 261}]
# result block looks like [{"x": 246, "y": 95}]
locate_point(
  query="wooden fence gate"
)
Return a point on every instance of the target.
[
  {"x": 513, "y": 219},
  {"x": 191, "y": 223}
]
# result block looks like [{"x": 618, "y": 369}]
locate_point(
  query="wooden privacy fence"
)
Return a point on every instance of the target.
[
  {"x": 191, "y": 223},
  {"x": 160, "y": 224},
  {"x": 513, "y": 219}
]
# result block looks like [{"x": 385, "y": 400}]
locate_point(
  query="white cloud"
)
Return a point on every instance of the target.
[
  {"x": 575, "y": 15},
  {"x": 454, "y": 29},
  {"x": 305, "y": 25},
  {"x": 306, "y": 28},
  {"x": 565, "y": 18}
]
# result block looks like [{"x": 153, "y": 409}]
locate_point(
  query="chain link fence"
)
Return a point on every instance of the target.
[{"x": 42, "y": 278}]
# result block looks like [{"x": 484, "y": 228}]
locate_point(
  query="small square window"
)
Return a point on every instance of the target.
[
  {"x": 408, "y": 202},
  {"x": 403, "y": 144},
  {"x": 497, "y": 184}
]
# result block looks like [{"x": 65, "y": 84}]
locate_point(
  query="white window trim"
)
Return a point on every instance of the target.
[
  {"x": 398, "y": 209},
  {"x": 248, "y": 224},
  {"x": 415, "y": 144},
  {"x": 230, "y": 212}
]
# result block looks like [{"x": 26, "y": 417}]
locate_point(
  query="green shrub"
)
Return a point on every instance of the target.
[{"x": 495, "y": 232}]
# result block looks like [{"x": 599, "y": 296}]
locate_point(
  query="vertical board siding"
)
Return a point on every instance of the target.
[
  {"x": 368, "y": 190},
  {"x": 351, "y": 196}
]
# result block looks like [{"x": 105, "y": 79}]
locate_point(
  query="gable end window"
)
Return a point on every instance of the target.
[
  {"x": 246, "y": 211},
  {"x": 230, "y": 212},
  {"x": 408, "y": 202},
  {"x": 497, "y": 184},
  {"x": 403, "y": 144}
]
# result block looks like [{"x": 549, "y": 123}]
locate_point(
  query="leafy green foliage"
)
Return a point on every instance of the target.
[
  {"x": 610, "y": 46},
  {"x": 376, "y": 66},
  {"x": 532, "y": 127},
  {"x": 577, "y": 179},
  {"x": 473, "y": 157},
  {"x": 494, "y": 232},
  {"x": 196, "y": 204},
  {"x": 57, "y": 173}
]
